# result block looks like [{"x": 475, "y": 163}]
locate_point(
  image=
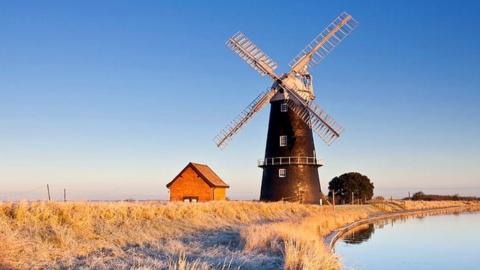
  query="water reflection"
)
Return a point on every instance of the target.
[
  {"x": 359, "y": 234},
  {"x": 435, "y": 242},
  {"x": 363, "y": 232}
]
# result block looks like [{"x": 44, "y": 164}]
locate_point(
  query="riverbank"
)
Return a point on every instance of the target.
[
  {"x": 249, "y": 235},
  {"x": 423, "y": 241},
  {"x": 335, "y": 235}
]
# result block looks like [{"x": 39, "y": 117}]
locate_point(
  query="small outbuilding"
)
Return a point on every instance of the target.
[{"x": 197, "y": 183}]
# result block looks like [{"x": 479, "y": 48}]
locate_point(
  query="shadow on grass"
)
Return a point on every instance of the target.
[{"x": 219, "y": 249}]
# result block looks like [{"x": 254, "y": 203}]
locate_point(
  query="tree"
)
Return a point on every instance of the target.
[
  {"x": 345, "y": 184},
  {"x": 418, "y": 195}
]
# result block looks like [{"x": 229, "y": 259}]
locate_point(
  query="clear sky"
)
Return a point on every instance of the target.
[{"x": 111, "y": 99}]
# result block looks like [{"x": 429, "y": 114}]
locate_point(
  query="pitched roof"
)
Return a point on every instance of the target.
[{"x": 207, "y": 174}]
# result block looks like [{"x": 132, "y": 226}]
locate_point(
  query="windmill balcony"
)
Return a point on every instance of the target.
[{"x": 274, "y": 161}]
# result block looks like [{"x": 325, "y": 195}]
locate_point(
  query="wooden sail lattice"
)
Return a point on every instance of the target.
[
  {"x": 325, "y": 42},
  {"x": 230, "y": 130},
  {"x": 315, "y": 117},
  {"x": 312, "y": 114},
  {"x": 253, "y": 55}
]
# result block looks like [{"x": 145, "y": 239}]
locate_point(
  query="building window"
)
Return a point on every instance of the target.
[
  {"x": 190, "y": 199},
  {"x": 283, "y": 140},
  {"x": 283, "y": 107},
  {"x": 282, "y": 173}
]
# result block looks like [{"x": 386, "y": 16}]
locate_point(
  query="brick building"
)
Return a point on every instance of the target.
[{"x": 197, "y": 183}]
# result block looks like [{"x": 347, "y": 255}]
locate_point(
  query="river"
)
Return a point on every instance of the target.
[{"x": 431, "y": 242}]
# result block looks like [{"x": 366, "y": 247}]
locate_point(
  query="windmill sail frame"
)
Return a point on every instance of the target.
[
  {"x": 225, "y": 135},
  {"x": 254, "y": 56},
  {"x": 314, "y": 116},
  {"x": 324, "y": 43}
]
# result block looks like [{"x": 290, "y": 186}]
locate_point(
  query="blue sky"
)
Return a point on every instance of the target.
[{"x": 111, "y": 99}]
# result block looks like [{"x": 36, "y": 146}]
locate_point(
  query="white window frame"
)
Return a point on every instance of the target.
[
  {"x": 284, "y": 107},
  {"x": 283, "y": 140},
  {"x": 191, "y": 199},
  {"x": 282, "y": 172}
]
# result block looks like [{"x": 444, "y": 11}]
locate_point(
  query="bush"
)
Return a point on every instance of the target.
[
  {"x": 420, "y": 196},
  {"x": 348, "y": 183}
]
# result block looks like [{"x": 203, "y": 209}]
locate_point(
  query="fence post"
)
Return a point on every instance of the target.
[
  {"x": 48, "y": 192},
  {"x": 333, "y": 199}
]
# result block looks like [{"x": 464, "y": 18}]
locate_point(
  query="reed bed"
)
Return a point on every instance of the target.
[{"x": 44, "y": 235}]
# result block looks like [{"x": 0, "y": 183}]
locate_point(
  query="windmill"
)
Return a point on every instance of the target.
[{"x": 290, "y": 166}]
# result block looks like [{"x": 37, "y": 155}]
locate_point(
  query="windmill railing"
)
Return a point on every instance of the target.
[{"x": 277, "y": 161}]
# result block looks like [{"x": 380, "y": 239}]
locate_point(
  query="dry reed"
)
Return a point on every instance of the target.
[{"x": 35, "y": 234}]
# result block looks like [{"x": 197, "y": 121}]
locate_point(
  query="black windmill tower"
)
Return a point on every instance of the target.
[{"x": 290, "y": 166}]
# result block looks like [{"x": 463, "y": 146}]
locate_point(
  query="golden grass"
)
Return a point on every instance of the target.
[
  {"x": 52, "y": 231},
  {"x": 301, "y": 241},
  {"x": 33, "y": 234}
]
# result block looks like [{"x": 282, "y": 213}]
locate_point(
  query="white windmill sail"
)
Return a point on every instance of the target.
[
  {"x": 230, "y": 130},
  {"x": 297, "y": 83},
  {"x": 314, "y": 116},
  {"x": 324, "y": 43},
  {"x": 255, "y": 57}
]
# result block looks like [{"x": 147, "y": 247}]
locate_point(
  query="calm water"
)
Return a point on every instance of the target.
[{"x": 432, "y": 242}]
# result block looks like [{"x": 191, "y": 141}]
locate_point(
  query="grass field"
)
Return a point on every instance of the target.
[{"x": 228, "y": 235}]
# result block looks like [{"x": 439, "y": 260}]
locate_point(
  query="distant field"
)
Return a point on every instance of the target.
[{"x": 229, "y": 235}]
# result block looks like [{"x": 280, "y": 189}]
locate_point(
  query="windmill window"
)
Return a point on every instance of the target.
[
  {"x": 283, "y": 140},
  {"x": 283, "y": 107},
  {"x": 282, "y": 173}
]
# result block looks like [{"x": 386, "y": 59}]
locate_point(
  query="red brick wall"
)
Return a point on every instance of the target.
[
  {"x": 220, "y": 194},
  {"x": 189, "y": 184}
]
